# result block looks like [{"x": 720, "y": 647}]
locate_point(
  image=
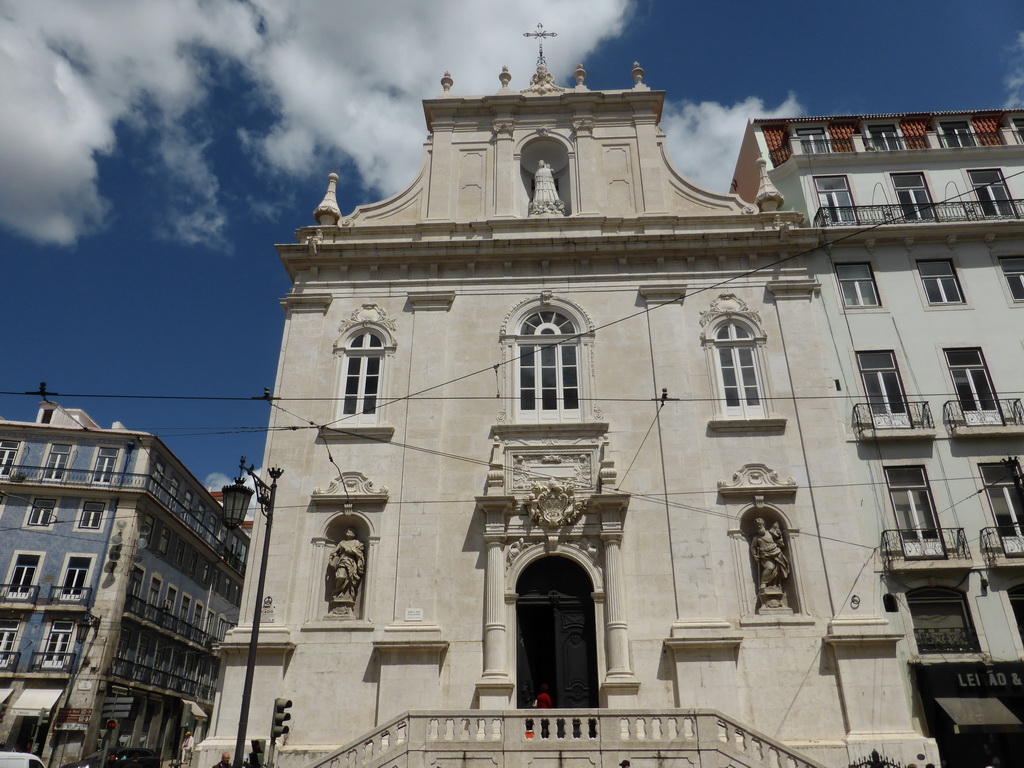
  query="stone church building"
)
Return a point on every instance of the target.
[{"x": 554, "y": 420}]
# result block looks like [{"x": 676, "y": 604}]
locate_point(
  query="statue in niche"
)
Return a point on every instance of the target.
[
  {"x": 773, "y": 566},
  {"x": 545, "y": 196},
  {"x": 349, "y": 564}
]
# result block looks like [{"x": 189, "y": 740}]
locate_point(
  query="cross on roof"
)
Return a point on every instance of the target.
[{"x": 540, "y": 34}]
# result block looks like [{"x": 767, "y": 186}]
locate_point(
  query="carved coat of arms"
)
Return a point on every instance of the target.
[{"x": 554, "y": 504}]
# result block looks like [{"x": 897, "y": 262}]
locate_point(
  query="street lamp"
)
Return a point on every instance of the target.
[{"x": 236, "y": 503}]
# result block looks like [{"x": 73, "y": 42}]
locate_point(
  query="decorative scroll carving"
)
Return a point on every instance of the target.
[
  {"x": 349, "y": 564},
  {"x": 729, "y": 305},
  {"x": 368, "y": 314},
  {"x": 353, "y": 484},
  {"x": 575, "y": 467},
  {"x": 542, "y": 81},
  {"x": 587, "y": 546},
  {"x": 554, "y": 504},
  {"x": 759, "y": 480}
]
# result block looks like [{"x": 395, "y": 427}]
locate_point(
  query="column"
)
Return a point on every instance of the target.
[{"x": 495, "y": 687}]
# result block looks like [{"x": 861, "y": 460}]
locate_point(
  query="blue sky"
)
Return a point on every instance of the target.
[{"x": 152, "y": 152}]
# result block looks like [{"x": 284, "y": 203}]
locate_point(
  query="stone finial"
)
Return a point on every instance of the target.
[
  {"x": 638, "y": 76},
  {"x": 447, "y": 82},
  {"x": 328, "y": 213},
  {"x": 504, "y": 78},
  {"x": 579, "y": 75},
  {"x": 768, "y": 197}
]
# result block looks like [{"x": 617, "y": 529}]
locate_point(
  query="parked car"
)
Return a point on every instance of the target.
[
  {"x": 119, "y": 757},
  {"x": 19, "y": 760}
]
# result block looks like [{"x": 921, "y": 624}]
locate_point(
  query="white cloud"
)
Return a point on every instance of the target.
[
  {"x": 1015, "y": 78},
  {"x": 343, "y": 81},
  {"x": 217, "y": 480},
  {"x": 704, "y": 139}
]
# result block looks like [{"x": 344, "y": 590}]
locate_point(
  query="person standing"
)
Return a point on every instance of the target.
[
  {"x": 544, "y": 698},
  {"x": 225, "y": 761},
  {"x": 187, "y": 745}
]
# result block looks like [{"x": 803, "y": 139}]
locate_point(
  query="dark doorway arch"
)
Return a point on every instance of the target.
[{"x": 556, "y": 639}]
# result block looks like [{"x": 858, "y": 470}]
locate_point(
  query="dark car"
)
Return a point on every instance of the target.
[{"x": 120, "y": 757}]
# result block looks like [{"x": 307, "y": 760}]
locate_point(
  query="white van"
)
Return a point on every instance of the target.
[{"x": 19, "y": 760}]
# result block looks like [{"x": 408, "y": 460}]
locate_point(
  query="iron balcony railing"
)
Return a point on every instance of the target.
[
  {"x": 9, "y": 661},
  {"x": 1003, "y": 541},
  {"x": 971, "y": 139},
  {"x": 894, "y": 143},
  {"x": 164, "y": 619},
  {"x": 52, "y": 662},
  {"x": 892, "y": 416},
  {"x": 994, "y": 413},
  {"x": 925, "y": 544},
  {"x": 815, "y": 145},
  {"x": 947, "y": 640},
  {"x": 152, "y": 486},
  {"x": 19, "y": 593},
  {"x": 161, "y": 678},
  {"x": 960, "y": 210},
  {"x": 70, "y": 595}
]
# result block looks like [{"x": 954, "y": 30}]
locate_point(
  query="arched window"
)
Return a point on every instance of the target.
[
  {"x": 361, "y": 379},
  {"x": 737, "y": 367},
  {"x": 942, "y": 621},
  {"x": 548, "y": 365}
]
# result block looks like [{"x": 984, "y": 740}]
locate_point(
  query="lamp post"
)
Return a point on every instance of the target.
[{"x": 236, "y": 503}]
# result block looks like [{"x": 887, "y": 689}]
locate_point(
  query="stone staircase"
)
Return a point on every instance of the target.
[{"x": 563, "y": 738}]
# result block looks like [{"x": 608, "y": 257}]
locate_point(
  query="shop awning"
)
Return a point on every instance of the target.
[
  {"x": 4, "y": 693},
  {"x": 197, "y": 711},
  {"x": 980, "y": 716},
  {"x": 34, "y": 699}
]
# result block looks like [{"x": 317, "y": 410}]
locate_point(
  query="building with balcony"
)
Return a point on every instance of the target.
[
  {"x": 575, "y": 429},
  {"x": 920, "y": 259},
  {"x": 117, "y": 581}
]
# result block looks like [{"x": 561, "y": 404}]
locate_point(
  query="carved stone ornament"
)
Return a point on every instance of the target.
[
  {"x": 352, "y": 484},
  {"x": 554, "y": 504},
  {"x": 348, "y": 566},
  {"x": 368, "y": 314},
  {"x": 573, "y": 467},
  {"x": 757, "y": 479},
  {"x": 730, "y": 305},
  {"x": 503, "y": 128},
  {"x": 542, "y": 81}
]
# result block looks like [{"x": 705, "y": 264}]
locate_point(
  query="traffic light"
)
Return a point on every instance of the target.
[
  {"x": 111, "y": 724},
  {"x": 259, "y": 748},
  {"x": 281, "y": 716}
]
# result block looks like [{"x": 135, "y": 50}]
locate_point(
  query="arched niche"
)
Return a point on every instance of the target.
[
  {"x": 558, "y": 156},
  {"x": 772, "y": 568},
  {"x": 335, "y": 531}
]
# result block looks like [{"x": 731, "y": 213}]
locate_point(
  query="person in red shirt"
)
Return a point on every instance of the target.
[{"x": 544, "y": 698}]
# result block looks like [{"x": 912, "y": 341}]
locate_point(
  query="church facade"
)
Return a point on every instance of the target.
[{"x": 554, "y": 420}]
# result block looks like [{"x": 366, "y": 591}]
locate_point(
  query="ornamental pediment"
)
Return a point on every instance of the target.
[{"x": 758, "y": 480}]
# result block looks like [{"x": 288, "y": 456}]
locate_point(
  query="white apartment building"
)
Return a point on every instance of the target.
[{"x": 920, "y": 222}]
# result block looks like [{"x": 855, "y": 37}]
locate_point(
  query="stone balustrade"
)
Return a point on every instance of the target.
[{"x": 593, "y": 738}]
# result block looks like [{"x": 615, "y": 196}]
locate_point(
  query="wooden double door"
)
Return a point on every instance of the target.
[{"x": 556, "y": 634}]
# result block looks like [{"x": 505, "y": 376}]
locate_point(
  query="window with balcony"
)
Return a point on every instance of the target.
[
  {"x": 857, "y": 285},
  {"x": 92, "y": 515},
  {"x": 185, "y": 611},
  {"x": 57, "y": 646},
  {"x": 884, "y": 389},
  {"x": 976, "y": 396},
  {"x": 155, "y": 587},
  {"x": 135, "y": 581},
  {"x": 915, "y": 512},
  {"x": 57, "y": 462},
  {"x": 884, "y": 137},
  {"x": 993, "y": 194},
  {"x": 179, "y": 552},
  {"x": 75, "y": 579},
  {"x": 913, "y": 196},
  {"x": 42, "y": 513},
  {"x": 9, "y": 644},
  {"x": 1017, "y": 125},
  {"x": 171, "y": 600},
  {"x": 956, "y": 133},
  {"x": 1006, "y": 505},
  {"x": 940, "y": 282},
  {"x": 1013, "y": 271},
  {"x": 942, "y": 621},
  {"x": 193, "y": 559},
  {"x": 834, "y": 199},
  {"x": 106, "y": 464},
  {"x": 164, "y": 541},
  {"x": 813, "y": 140},
  {"x": 8, "y": 456},
  {"x": 197, "y": 615},
  {"x": 23, "y": 577}
]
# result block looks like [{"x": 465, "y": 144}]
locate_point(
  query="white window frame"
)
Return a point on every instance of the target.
[
  {"x": 883, "y": 387},
  {"x": 59, "y": 641},
  {"x": 57, "y": 461},
  {"x": 42, "y": 513},
  {"x": 993, "y": 195},
  {"x": 972, "y": 384},
  {"x": 884, "y": 137},
  {"x": 736, "y": 351},
  {"x": 1013, "y": 271},
  {"x": 940, "y": 282},
  {"x": 8, "y": 456},
  {"x": 10, "y": 630},
  {"x": 13, "y": 579},
  {"x": 106, "y": 465},
  {"x": 1007, "y": 511},
  {"x": 860, "y": 287},
  {"x": 842, "y": 209},
  {"x": 90, "y": 518},
  {"x": 957, "y": 133},
  {"x": 73, "y": 582},
  {"x": 915, "y": 200},
  {"x": 814, "y": 139},
  {"x": 914, "y": 510},
  {"x": 360, "y": 390}
]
